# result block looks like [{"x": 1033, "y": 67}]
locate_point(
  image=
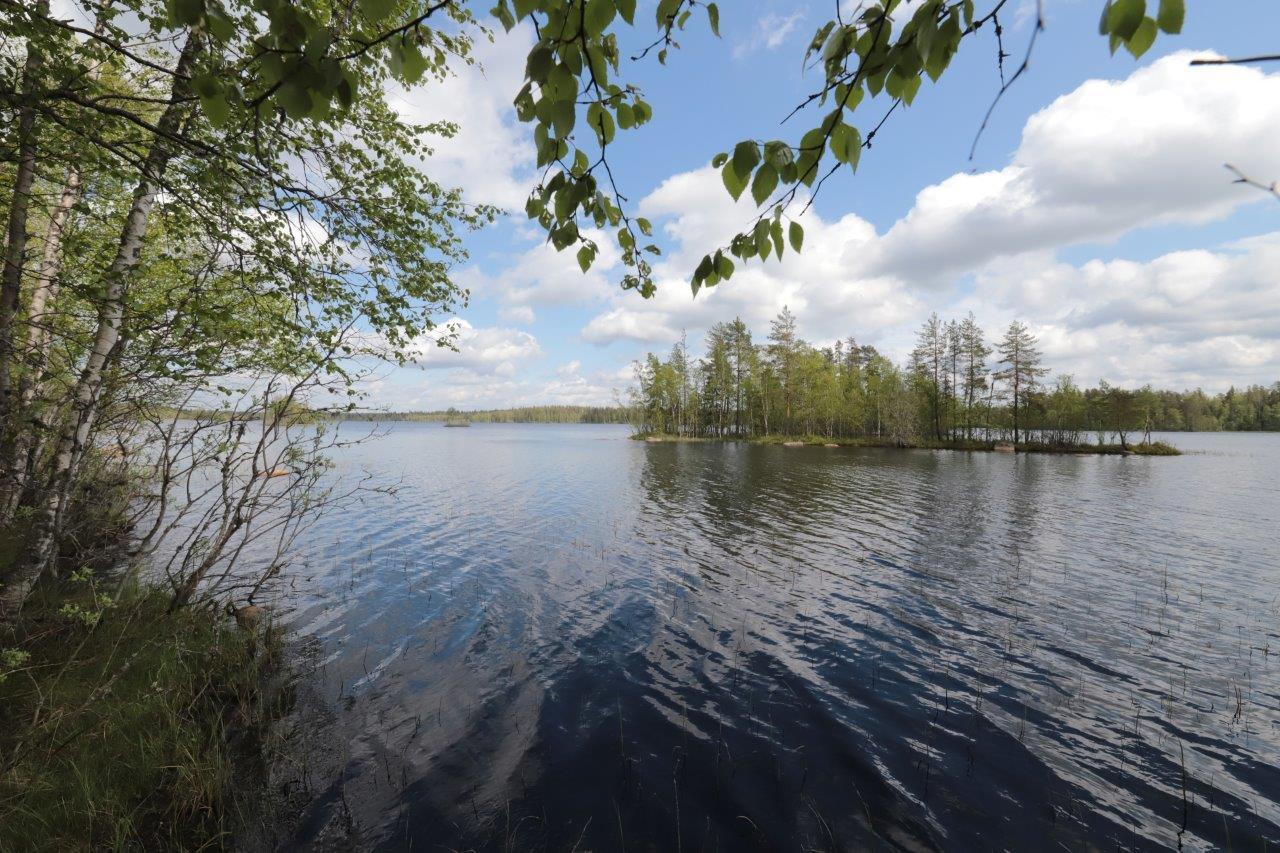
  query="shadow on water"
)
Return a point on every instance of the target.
[{"x": 560, "y": 639}]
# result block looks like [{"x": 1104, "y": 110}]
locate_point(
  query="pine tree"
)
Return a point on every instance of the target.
[
  {"x": 975, "y": 353},
  {"x": 784, "y": 348},
  {"x": 1022, "y": 371},
  {"x": 928, "y": 361}
]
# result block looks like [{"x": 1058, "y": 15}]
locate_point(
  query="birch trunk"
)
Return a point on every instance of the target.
[
  {"x": 27, "y": 429},
  {"x": 74, "y": 437},
  {"x": 15, "y": 249},
  {"x": 28, "y": 435}
]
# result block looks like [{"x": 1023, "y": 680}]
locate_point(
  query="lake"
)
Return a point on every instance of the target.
[{"x": 553, "y": 637}]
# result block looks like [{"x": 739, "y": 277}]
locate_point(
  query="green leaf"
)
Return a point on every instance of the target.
[
  {"x": 909, "y": 88},
  {"x": 705, "y": 268},
  {"x": 220, "y": 26},
  {"x": 1171, "y": 15},
  {"x": 1142, "y": 39},
  {"x": 503, "y": 13},
  {"x": 713, "y": 15},
  {"x": 733, "y": 182},
  {"x": 764, "y": 244},
  {"x": 745, "y": 157},
  {"x": 1125, "y": 17},
  {"x": 719, "y": 160},
  {"x": 216, "y": 108},
  {"x": 765, "y": 183},
  {"x": 627, "y": 9},
  {"x": 376, "y": 10},
  {"x": 846, "y": 144},
  {"x": 295, "y": 99},
  {"x": 563, "y": 116},
  {"x": 539, "y": 63},
  {"x": 724, "y": 266},
  {"x": 626, "y": 116},
  {"x": 601, "y": 121},
  {"x": 666, "y": 12},
  {"x": 598, "y": 16},
  {"x": 186, "y": 12},
  {"x": 412, "y": 62},
  {"x": 796, "y": 233},
  {"x": 585, "y": 256}
]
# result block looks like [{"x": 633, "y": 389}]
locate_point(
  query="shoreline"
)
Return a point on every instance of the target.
[{"x": 1155, "y": 448}]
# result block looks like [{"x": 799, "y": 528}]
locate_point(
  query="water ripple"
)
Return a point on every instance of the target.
[{"x": 551, "y": 641}]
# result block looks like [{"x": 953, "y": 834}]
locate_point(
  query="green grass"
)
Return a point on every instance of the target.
[
  {"x": 1156, "y": 448},
  {"x": 127, "y": 732}
]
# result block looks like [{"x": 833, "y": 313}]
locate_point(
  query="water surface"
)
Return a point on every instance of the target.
[{"x": 557, "y": 638}]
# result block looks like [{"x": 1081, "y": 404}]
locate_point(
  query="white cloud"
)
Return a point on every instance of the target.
[
  {"x": 491, "y": 156},
  {"x": 522, "y": 314},
  {"x": 541, "y": 276},
  {"x": 489, "y": 350},
  {"x": 1184, "y": 318},
  {"x": 575, "y": 390},
  {"x": 770, "y": 32},
  {"x": 1105, "y": 159},
  {"x": 1097, "y": 163},
  {"x": 468, "y": 388},
  {"x": 816, "y": 284}
]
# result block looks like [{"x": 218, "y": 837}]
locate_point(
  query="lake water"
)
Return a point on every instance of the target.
[{"x": 557, "y": 638}]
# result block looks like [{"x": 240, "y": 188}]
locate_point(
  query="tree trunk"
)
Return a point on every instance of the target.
[
  {"x": 24, "y": 441},
  {"x": 74, "y": 437},
  {"x": 16, "y": 234},
  {"x": 22, "y": 446}
]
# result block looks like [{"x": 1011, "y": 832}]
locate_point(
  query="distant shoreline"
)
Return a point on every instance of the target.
[{"x": 1155, "y": 448}]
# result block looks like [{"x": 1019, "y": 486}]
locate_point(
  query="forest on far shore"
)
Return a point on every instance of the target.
[{"x": 955, "y": 386}]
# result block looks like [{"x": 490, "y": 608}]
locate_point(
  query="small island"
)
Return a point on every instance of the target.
[
  {"x": 955, "y": 391},
  {"x": 1142, "y": 448}
]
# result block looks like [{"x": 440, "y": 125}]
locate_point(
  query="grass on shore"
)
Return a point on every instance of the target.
[
  {"x": 1155, "y": 448},
  {"x": 125, "y": 726}
]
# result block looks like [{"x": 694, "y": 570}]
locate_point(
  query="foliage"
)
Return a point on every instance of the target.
[
  {"x": 875, "y": 58},
  {"x": 947, "y": 395},
  {"x": 216, "y": 216},
  {"x": 269, "y": 59}
]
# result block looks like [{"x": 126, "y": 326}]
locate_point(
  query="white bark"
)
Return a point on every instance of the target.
[
  {"x": 74, "y": 438},
  {"x": 15, "y": 249}
]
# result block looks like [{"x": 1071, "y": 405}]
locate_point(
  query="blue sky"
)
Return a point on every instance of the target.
[{"x": 1096, "y": 209}]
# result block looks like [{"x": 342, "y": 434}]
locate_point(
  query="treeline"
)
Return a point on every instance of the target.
[
  {"x": 518, "y": 415},
  {"x": 1254, "y": 408},
  {"x": 957, "y": 386}
]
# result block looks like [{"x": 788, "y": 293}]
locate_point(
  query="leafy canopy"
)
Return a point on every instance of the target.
[{"x": 299, "y": 58}]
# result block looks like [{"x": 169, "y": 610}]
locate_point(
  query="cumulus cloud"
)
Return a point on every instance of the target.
[
  {"x": 522, "y": 314},
  {"x": 490, "y": 157},
  {"x": 1097, "y": 163},
  {"x": 541, "y": 276},
  {"x": 491, "y": 350},
  {"x": 818, "y": 285},
  {"x": 1183, "y": 318},
  {"x": 1105, "y": 159}
]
